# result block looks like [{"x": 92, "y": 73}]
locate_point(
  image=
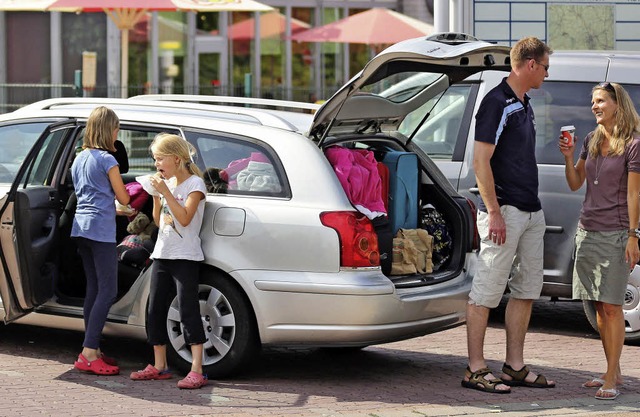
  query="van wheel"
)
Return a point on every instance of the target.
[
  {"x": 631, "y": 309},
  {"x": 229, "y": 327}
]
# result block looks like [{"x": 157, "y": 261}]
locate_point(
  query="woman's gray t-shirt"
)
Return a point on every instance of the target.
[{"x": 605, "y": 203}]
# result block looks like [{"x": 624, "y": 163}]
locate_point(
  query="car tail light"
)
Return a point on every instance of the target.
[
  {"x": 475, "y": 241},
  {"x": 358, "y": 240}
]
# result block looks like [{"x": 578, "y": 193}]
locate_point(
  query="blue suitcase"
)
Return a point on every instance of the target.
[{"x": 403, "y": 189}]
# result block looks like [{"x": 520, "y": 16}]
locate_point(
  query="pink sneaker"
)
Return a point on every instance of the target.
[{"x": 193, "y": 380}]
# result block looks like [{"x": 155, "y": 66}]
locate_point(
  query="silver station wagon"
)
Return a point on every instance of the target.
[{"x": 290, "y": 260}]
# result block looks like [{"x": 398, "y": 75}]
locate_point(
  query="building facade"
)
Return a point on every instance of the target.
[
  {"x": 41, "y": 52},
  {"x": 563, "y": 24},
  {"x": 173, "y": 52}
]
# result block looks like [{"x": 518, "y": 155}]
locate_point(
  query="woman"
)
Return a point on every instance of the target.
[{"x": 607, "y": 236}]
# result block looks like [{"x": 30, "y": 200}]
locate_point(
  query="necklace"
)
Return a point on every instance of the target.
[{"x": 599, "y": 171}]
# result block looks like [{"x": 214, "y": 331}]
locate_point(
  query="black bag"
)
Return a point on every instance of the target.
[
  {"x": 382, "y": 227},
  {"x": 434, "y": 223}
]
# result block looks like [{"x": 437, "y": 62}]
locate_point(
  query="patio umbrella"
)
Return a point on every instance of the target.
[
  {"x": 272, "y": 25},
  {"x": 372, "y": 27},
  {"x": 126, "y": 13},
  {"x": 169, "y": 30}
]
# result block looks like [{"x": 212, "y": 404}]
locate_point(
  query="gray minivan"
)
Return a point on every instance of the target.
[{"x": 565, "y": 98}]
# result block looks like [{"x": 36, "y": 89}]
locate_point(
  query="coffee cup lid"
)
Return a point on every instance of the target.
[{"x": 570, "y": 127}]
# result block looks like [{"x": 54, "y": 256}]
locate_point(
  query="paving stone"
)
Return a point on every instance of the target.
[{"x": 414, "y": 378}]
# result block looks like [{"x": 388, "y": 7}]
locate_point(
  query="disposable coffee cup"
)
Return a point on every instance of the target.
[{"x": 567, "y": 133}]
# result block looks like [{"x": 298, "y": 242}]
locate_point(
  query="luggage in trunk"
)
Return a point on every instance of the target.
[{"x": 403, "y": 189}]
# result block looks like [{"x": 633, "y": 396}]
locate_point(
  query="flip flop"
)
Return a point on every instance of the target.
[
  {"x": 98, "y": 366},
  {"x": 614, "y": 393},
  {"x": 594, "y": 383}
]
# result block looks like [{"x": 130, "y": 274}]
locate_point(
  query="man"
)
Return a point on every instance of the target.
[{"x": 510, "y": 220}]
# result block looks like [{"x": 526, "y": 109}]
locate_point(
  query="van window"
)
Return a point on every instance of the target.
[
  {"x": 564, "y": 103},
  {"x": 438, "y": 135}
]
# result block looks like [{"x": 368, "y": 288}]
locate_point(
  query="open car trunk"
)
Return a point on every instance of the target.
[
  {"x": 382, "y": 109},
  {"x": 434, "y": 199}
]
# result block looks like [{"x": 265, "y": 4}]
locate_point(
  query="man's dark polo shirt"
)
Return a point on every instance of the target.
[{"x": 506, "y": 122}]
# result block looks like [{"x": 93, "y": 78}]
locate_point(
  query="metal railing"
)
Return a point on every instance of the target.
[{"x": 14, "y": 96}]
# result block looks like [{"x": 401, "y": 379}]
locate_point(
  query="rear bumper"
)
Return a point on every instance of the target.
[{"x": 351, "y": 308}]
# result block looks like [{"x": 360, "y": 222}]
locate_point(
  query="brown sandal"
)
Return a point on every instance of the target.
[
  {"x": 519, "y": 378},
  {"x": 478, "y": 381}
]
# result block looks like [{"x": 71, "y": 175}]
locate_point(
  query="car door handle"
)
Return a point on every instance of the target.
[{"x": 474, "y": 190}]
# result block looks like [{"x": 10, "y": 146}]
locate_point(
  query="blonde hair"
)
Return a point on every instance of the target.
[
  {"x": 626, "y": 125},
  {"x": 167, "y": 144},
  {"x": 528, "y": 48},
  {"x": 101, "y": 124}
]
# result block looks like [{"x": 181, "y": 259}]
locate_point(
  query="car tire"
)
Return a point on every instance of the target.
[
  {"x": 229, "y": 326},
  {"x": 631, "y": 309}
]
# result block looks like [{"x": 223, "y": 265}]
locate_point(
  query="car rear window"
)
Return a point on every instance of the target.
[{"x": 400, "y": 87}]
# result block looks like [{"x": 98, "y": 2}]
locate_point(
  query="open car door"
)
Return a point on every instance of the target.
[{"x": 29, "y": 213}]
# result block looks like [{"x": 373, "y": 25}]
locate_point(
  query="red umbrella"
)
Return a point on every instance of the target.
[
  {"x": 126, "y": 13},
  {"x": 272, "y": 25},
  {"x": 372, "y": 27}
]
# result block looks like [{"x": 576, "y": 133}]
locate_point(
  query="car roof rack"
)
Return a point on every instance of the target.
[
  {"x": 255, "y": 115},
  {"x": 243, "y": 101}
]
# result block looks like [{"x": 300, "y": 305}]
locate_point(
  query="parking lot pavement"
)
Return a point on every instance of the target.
[{"x": 418, "y": 377}]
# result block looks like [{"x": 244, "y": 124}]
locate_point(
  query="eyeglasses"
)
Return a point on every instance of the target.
[{"x": 546, "y": 67}]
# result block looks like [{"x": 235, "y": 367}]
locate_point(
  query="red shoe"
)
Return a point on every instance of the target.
[
  {"x": 193, "y": 380},
  {"x": 98, "y": 367},
  {"x": 108, "y": 360},
  {"x": 149, "y": 373}
]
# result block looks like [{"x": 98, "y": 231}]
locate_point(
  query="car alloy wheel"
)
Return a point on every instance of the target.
[{"x": 229, "y": 328}]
